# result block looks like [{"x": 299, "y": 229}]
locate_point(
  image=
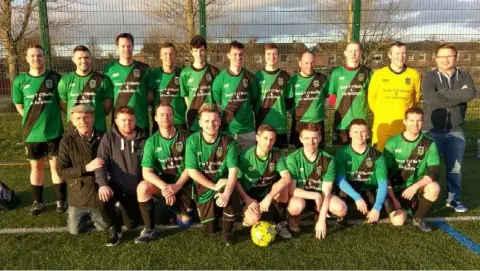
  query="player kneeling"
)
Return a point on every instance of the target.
[
  {"x": 313, "y": 173},
  {"x": 163, "y": 168},
  {"x": 413, "y": 166},
  {"x": 264, "y": 181},
  {"x": 210, "y": 159},
  {"x": 362, "y": 172}
]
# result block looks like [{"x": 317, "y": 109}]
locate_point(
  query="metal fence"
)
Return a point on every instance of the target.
[{"x": 322, "y": 26}]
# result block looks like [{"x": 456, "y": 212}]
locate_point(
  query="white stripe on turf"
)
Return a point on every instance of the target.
[{"x": 197, "y": 225}]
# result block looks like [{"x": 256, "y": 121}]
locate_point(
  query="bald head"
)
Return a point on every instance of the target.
[{"x": 306, "y": 63}]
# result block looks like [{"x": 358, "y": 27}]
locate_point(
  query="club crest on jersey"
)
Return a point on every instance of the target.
[
  {"x": 271, "y": 166},
  {"x": 92, "y": 83},
  {"x": 280, "y": 81},
  {"x": 219, "y": 152},
  {"x": 179, "y": 146},
  {"x": 421, "y": 150},
  {"x": 319, "y": 170},
  {"x": 245, "y": 82},
  {"x": 49, "y": 83},
  {"x": 316, "y": 83},
  {"x": 136, "y": 73},
  {"x": 208, "y": 77},
  {"x": 361, "y": 76},
  {"x": 369, "y": 162},
  {"x": 177, "y": 81},
  {"x": 408, "y": 81}
]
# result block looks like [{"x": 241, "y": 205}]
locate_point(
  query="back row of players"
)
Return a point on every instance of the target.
[{"x": 248, "y": 102}]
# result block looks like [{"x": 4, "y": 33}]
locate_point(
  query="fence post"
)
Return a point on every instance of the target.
[
  {"x": 42, "y": 10},
  {"x": 357, "y": 14},
  {"x": 203, "y": 18}
]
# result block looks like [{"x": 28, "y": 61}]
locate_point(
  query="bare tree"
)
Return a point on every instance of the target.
[
  {"x": 381, "y": 21},
  {"x": 94, "y": 47},
  {"x": 19, "y": 26},
  {"x": 184, "y": 15}
]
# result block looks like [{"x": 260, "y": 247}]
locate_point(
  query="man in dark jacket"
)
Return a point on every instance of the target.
[
  {"x": 446, "y": 91},
  {"x": 76, "y": 164},
  {"x": 122, "y": 152}
]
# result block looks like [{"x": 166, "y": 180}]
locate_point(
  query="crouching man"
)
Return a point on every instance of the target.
[
  {"x": 163, "y": 168},
  {"x": 264, "y": 181},
  {"x": 77, "y": 163},
  {"x": 313, "y": 175},
  {"x": 413, "y": 166}
]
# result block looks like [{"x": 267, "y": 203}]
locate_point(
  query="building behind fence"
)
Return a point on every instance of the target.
[{"x": 322, "y": 26}]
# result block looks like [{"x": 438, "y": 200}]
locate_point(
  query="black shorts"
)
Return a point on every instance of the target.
[
  {"x": 183, "y": 201},
  {"x": 368, "y": 196},
  {"x": 310, "y": 206},
  {"x": 38, "y": 150},
  {"x": 209, "y": 211},
  {"x": 281, "y": 141},
  {"x": 405, "y": 203},
  {"x": 253, "y": 196},
  {"x": 295, "y": 133},
  {"x": 274, "y": 211}
]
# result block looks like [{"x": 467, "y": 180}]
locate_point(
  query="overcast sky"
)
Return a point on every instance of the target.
[{"x": 273, "y": 20}]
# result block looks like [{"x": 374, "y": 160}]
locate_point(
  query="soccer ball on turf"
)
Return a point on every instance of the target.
[
  {"x": 184, "y": 221},
  {"x": 263, "y": 233}
]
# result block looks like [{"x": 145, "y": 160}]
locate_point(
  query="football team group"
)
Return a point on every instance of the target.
[{"x": 219, "y": 141}]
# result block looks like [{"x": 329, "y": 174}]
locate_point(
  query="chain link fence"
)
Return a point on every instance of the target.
[{"x": 322, "y": 26}]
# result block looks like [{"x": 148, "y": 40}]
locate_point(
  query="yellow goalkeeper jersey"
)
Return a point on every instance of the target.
[{"x": 390, "y": 94}]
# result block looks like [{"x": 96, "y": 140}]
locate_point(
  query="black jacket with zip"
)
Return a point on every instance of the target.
[
  {"x": 445, "y": 100},
  {"x": 74, "y": 153},
  {"x": 123, "y": 158}
]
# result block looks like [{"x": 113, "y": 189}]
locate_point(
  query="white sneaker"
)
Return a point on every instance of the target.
[{"x": 281, "y": 229}]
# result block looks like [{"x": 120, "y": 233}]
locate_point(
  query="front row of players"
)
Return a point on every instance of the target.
[{"x": 260, "y": 181}]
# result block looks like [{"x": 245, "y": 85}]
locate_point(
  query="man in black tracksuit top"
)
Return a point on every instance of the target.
[
  {"x": 76, "y": 164},
  {"x": 122, "y": 151},
  {"x": 446, "y": 91}
]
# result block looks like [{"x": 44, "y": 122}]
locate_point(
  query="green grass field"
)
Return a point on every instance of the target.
[{"x": 350, "y": 247}]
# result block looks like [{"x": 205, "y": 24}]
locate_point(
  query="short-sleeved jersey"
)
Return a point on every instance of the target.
[
  {"x": 196, "y": 84},
  {"x": 166, "y": 155},
  {"x": 350, "y": 87},
  {"x": 167, "y": 90},
  {"x": 390, "y": 94},
  {"x": 362, "y": 170},
  {"x": 92, "y": 89},
  {"x": 409, "y": 161},
  {"x": 310, "y": 175},
  {"x": 212, "y": 160},
  {"x": 257, "y": 175},
  {"x": 271, "y": 107},
  {"x": 130, "y": 88},
  {"x": 41, "y": 119},
  {"x": 237, "y": 95},
  {"x": 309, "y": 96}
]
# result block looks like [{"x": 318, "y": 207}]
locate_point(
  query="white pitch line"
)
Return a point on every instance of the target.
[{"x": 198, "y": 225}]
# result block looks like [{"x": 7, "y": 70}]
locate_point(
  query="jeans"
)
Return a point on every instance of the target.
[
  {"x": 452, "y": 146},
  {"x": 78, "y": 217}
]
